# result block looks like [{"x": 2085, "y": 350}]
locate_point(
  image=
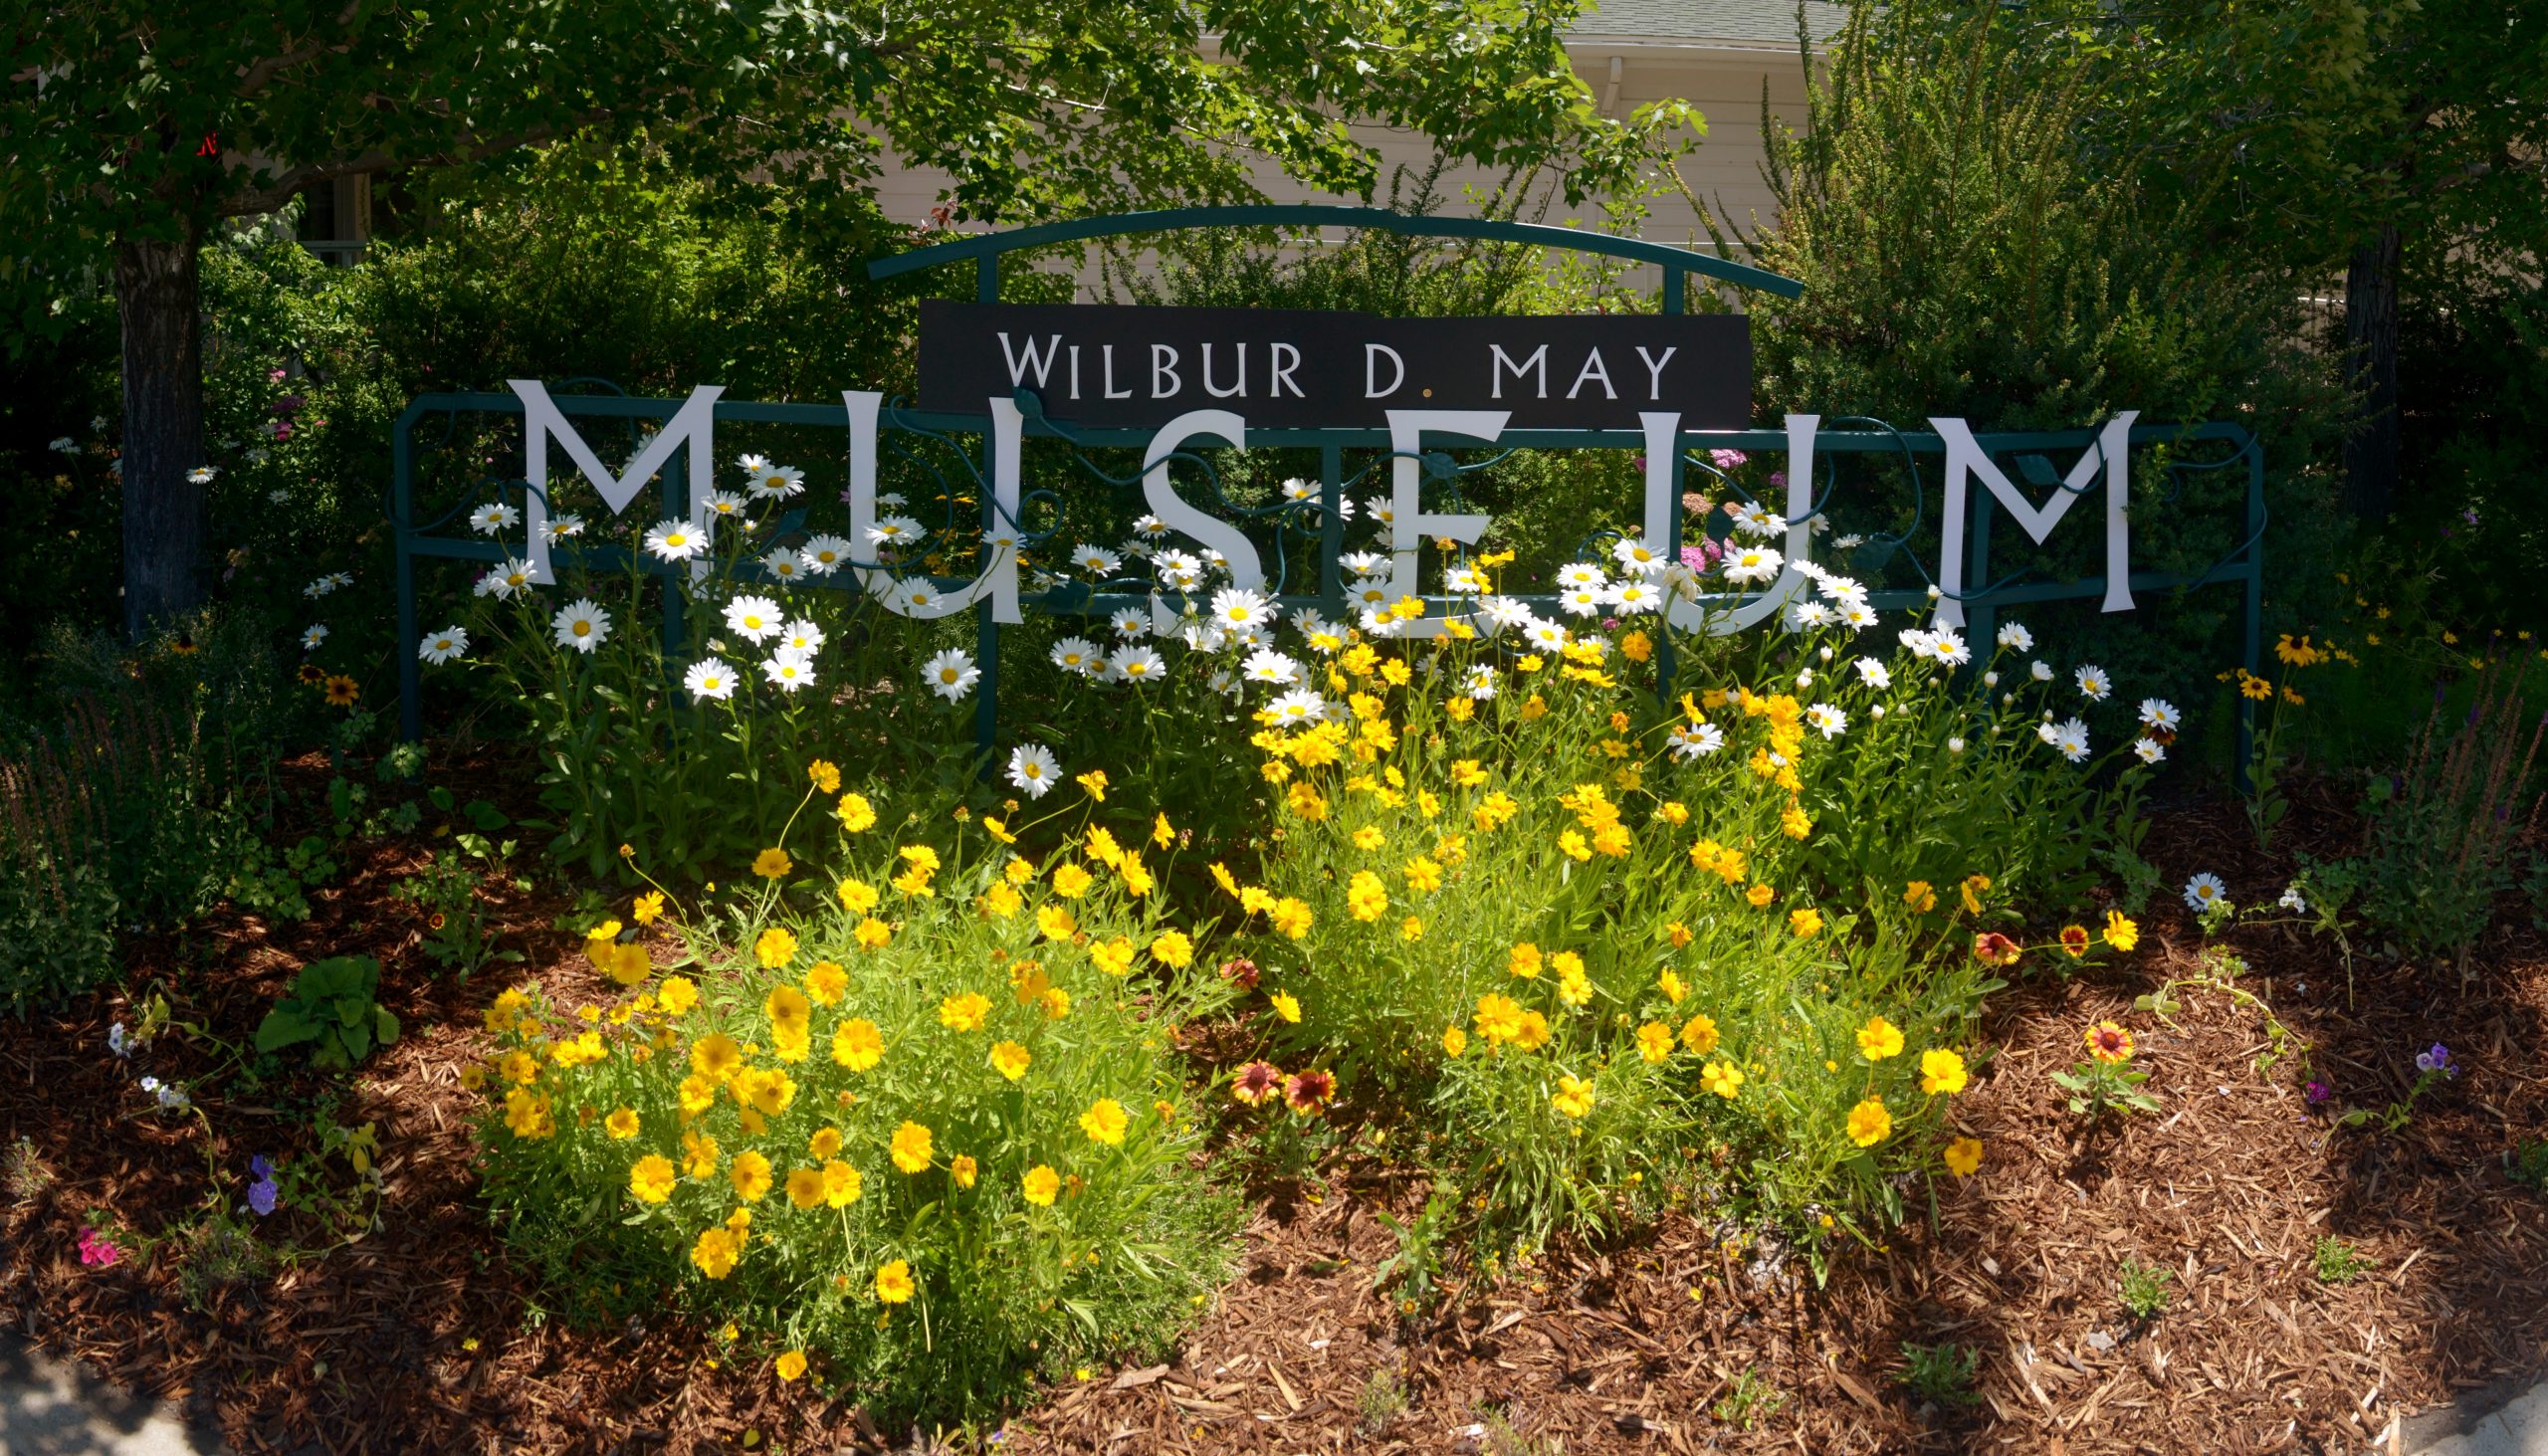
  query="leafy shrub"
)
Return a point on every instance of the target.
[
  {"x": 919, "y": 1127},
  {"x": 1941, "y": 1372},
  {"x": 330, "y": 1007},
  {"x": 1591, "y": 929}
]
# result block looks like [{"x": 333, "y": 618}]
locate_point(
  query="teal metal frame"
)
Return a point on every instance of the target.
[{"x": 2242, "y": 563}]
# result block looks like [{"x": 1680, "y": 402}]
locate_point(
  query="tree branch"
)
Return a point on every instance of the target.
[{"x": 255, "y": 77}]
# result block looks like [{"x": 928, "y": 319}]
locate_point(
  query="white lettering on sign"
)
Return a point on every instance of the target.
[
  {"x": 1164, "y": 366},
  {"x": 1593, "y": 368},
  {"x": 542, "y": 421},
  {"x": 1237, "y": 390},
  {"x": 1654, "y": 370},
  {"x": 1041, "y": 363},
  {"x": 1371, "y": 386},
  {"x": 1966, "y": 458},
  {"x": 1286, "y": 359},
  {"x": 1538, "y": 360}
]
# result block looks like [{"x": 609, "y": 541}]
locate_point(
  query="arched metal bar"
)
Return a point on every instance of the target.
[{"x": 1674, "y": 261}]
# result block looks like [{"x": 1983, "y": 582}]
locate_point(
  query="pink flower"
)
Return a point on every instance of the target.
[
  {"x": 97, "y": 1251},
  {"x": 1727, "y": 459}
]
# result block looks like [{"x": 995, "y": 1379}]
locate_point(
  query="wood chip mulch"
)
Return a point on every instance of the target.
[{"x": 421, "y": 1336}]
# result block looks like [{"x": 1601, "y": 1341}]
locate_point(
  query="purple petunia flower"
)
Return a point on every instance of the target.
[
  {"x": 2438, "y": 1059},
  {"x": 263, "y": 1192},
  {"x": 2317, "y": 1092}
]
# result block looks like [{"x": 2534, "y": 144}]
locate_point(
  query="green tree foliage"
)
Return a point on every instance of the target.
[{"x": 128, "y": 127}]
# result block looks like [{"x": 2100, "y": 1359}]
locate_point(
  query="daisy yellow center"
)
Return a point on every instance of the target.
[{"x": 583, "y": 629}]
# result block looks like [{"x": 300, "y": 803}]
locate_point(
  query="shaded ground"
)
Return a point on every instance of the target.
[{"x": 419, "y": 1335}]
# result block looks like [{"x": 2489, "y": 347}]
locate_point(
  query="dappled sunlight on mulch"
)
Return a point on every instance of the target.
[{"x": 423, "y": 1336}]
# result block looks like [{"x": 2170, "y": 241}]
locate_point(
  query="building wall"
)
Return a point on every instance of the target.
[{"x": 1724, "y": 82}]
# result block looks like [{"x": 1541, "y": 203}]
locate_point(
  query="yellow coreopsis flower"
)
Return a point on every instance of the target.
[
  {"x": 894, "y": 1283},
  {"x": 1291, "y": 916},
  {"x": 825, "y": 1143},
  {"x": 716, "y": 1252},
  {"x": 773, "y": 864},
  {"x": 1654, "y": 1041},
  {"x": 1942, "y": 1072},
  {"x": 1055, "y": 921},
  {"x": 1172, "y": 949},
  {"x": 873, "y": 934},
  {"x": 1104, "y": 1121},
  {"x": 824, "y": 775},
  {"x": 806, "y": 1187},
  {"x": 856, "y": 814},
  {"x": 964, "y": 1011},
  {"x": 826, "y": 983},
  {"x": 1879, "y": 1039},
  {"x": 1070, "y": 881},
  {"x": 857, "y": 896},
  {"x": 1760, "y": 896},
  {"x": 1286, "y": 1007},
  {"x": 648, "y": 907},
  {"x": 858, "y": 1045},
  {"x": 1365, "y": 897},
  {"x": 1011, "y": 1060},
  {"x": 775, "y": 947},
  {"x": 2120, "y": 931},
  {"x": 1454, "y": 1041},
  {"x": 651, "y": 1179},
  {"x": 622, "y": 1122},
  {"x": 749, "y": 1173},
  {"x": 1869, "y": 1122},
  {"x": 790, "y": 1365},
  {"x": 1919, "y": 897},
  {"x": 1964, "y": 1157},
  {"x": 1039, "y": 1185},
  {"x": 1807, "y": 922},
  {"x": 1115, "y": 957},
  {"x": 1574, "y": 1097},
  {"x": 913, "y": 1147},
  {"x": 1699, "y": 1035},
  {"x": 1670, "y": 983},
  {"x": 842, "y": 1184},
  {"x": 1722, "y": 1078},
  {"x": 1094, "y": 782}
]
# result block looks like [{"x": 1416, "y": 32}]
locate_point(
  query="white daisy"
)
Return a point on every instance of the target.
[
  {"x": 1752, "y": 564},
  {"x": 725, "y": 503},
  {"x": 911, "y": 596},
  {"x": 492, "y": 517},
  {"x": 1381, "y": 511},
  {"x": 1138, "y": 664},
  {"x": 1032, "y": 767},
  {"x": 1583, "y": 601},
  {"x": 1132, "y": 624},
  {"x": 1077, "y": 654},
  {"x": 1264, "y": 666},
  {"x": 2149, "y": 749},
  {"x": 1827, "y": 719},
  {"x": 1500, "y": 613},
  {"x": 313, "y": 635},
  {"x": 2203, "y": 891},
  {"x": 1545, "y": 636},
  {"x": 441, "y": 647},
  {"x": 564, "y": 527},
  {"x": 895, "y": 531},
  {"x": 2094, "y": 685},
  {"x": 1875, "y": 673},
  {"x": 824, "y": 555},
  {"x": 509, "y": 577},
  {"x": 1804, "y": 616},
  {"x": 779, "y": 482},
  {"x": 784, "y": 567},
  {"x": 676, "y": 540},
  {"x": 581, "y": 625},
  {"x": 1297, "y": 490},
  {"x": 708, "y": 679},
  {"x": 65, "y": 445},
  {"x": 1639, "y": 558},
  {"x": 1464, "y": 580},
  {"x": 789, "y": 670},
  {"x": 1759, "y": 520},
  {"x": 1234, "y": 606},
  {"x": 802, "y": 636},
  {"x": 1296, "y": 708},
  {"x": 1849, "y": 543},
  {"x": 1097, "y": 561},
  {"x": 2040, "y": 670},
  {"x": 202, "y": 475},
  {"x": 1857, "y": 615},
  {"x": 753, "y": 466},
  {"x": 1582, "y": 573},
  {"x": 1696, "y": 739},
  {"x": 1364, "y": 564},
  {"x": 1634, "y": 598},
  {"x": 2015, "y": 637},
  {"x": 2159, "y": 712},
  {"x": 951, "y": 674},
  {"x": 755, "y": 618},
  {"x": 2071, "y": 737},
  {"x": 1481, "y": 683}
]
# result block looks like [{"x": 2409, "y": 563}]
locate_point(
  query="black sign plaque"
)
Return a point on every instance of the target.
[{"x": 1138, "y": 368}]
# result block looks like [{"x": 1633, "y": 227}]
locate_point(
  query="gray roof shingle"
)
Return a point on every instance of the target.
[{"x": 1738, "y": 22}]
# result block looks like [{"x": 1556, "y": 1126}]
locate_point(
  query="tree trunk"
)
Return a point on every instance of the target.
[
  {"x": 157, "y": 291},
  {"x": 2371, "y": 364}
]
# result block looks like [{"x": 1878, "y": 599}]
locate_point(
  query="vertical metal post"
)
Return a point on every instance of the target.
[
  {"x": 674, "y": 492},
  {"x": 1664, "y": 664},
  {"x": 985, "y": 627},
  {"x": 1331, "y": 531},
  {"x": 1980, "y": 615},
  {"x": 2255, "y": 592},
  {"x": 403, "y": 457},
  {"x": 1676, "y": 289}
]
